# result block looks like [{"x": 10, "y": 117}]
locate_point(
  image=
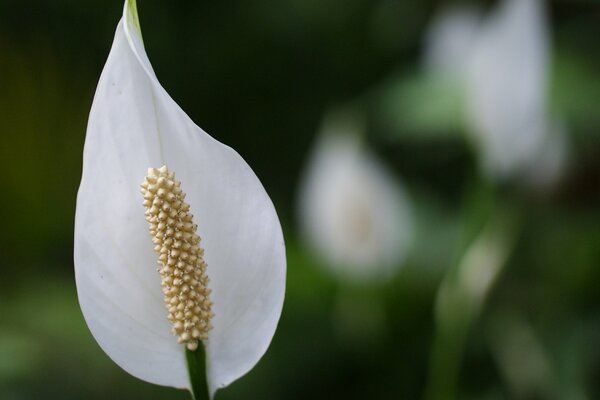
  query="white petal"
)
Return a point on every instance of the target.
[
  {"x": 449, "y": 40},
  {"x": 352, "y": 212},
  {"x": 134, "y": 125},
  {"x": 507, "y": 85}
]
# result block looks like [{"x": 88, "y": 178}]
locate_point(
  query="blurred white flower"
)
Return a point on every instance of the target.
[
  {"x": 352, "y": 212},
  {"x": 503, "y": 64},
  {"x": 450, "y": 39},
  {"x": 134, "y": 125}
]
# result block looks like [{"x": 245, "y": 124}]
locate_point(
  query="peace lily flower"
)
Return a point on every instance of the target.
[
  {"x": 203, "y": 216},
  {"x": 502, "y": 64},
  {"x": 352, "y": 212},
  {"x": 507, "y": 83}
]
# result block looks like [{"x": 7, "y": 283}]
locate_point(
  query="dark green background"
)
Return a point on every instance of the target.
[{"x": 258, "y": 76}]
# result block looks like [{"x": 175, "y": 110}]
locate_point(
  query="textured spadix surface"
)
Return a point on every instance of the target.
[{"x": 134, "y": 125}]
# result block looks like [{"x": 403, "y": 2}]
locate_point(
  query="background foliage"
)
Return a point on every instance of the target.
[{"x": 259, "y": 76}]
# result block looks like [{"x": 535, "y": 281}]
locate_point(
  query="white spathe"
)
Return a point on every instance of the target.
[
  {"x": 352, "y": 212},
  {"x": 506, "y": 86},
  {"x": 503, "y": 64},
  {"x": 449, "y": 40},
  {"x": 134, "y": 125}
]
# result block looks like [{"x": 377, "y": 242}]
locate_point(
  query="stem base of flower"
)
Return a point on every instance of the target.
[{"x": 196, "y": 364}]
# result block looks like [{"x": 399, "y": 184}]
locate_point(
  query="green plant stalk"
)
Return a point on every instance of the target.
[
  {"x": 196, "y": 364},
  {"x": 460, "y": 300}
]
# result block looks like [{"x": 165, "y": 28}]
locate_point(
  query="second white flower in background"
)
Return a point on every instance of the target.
[
  {"x": 502, "y": 64},
  {"x": 352, "y": 211}
]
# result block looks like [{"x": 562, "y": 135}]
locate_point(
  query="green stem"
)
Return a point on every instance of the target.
[
  {"x": 196, "y": 363},
  {"x": 460, "y": 300}
]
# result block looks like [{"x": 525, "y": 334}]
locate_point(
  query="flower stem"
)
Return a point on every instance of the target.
[
  {"x": 196, "y": 363},
  {"x": 461, "y": 298}
]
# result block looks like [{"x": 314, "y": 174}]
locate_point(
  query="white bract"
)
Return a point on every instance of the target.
[
  {"x": 449, "y": 40},
  {"x": 135, "y": 125},
  {"x": 503, "y": 64},
  {"x": 352, "y": 212}
]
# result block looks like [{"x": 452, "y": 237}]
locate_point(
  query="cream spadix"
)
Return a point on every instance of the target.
[
  {"x": 135, "y": 125},
  {"x": 181, "y": 259}
]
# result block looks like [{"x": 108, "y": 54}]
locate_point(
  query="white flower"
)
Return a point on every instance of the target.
[
  {"x": 135, "y": 125},
  {"x": 503, "y": 65},
  {"x": 352, "y": 212}
]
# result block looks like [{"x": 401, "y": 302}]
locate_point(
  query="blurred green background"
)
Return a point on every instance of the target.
[{"x": 259, "y": 76}]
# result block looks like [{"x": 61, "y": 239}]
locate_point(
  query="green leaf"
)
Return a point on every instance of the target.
[
  {"x": 575, "y": 89},
  {"x": 420, "y": 106}
]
